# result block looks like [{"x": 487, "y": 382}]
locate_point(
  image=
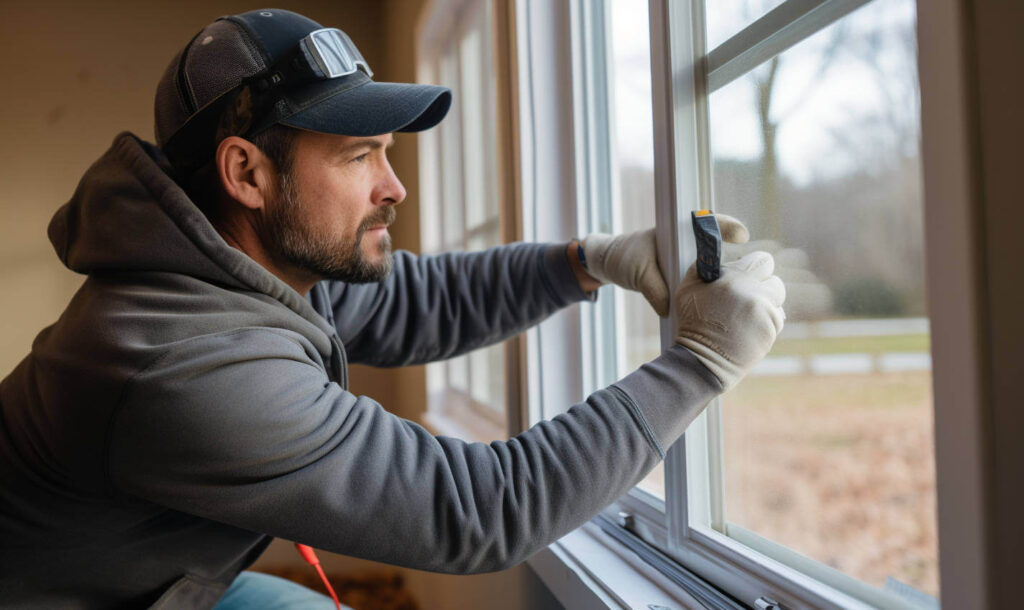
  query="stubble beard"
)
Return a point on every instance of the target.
[{"x": 298, "y": 241}]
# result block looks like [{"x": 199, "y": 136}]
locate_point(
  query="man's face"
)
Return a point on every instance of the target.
[{"x": 329, "y": 214}]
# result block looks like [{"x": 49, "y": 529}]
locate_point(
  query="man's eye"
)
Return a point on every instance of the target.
[{"x": 361, "y": 158}]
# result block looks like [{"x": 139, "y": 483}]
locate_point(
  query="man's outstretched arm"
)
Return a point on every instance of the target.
[
  {"x": 261, "y": 440},
  {"x": 433, "y": 307},
  {"x": 245, "y": 428}
]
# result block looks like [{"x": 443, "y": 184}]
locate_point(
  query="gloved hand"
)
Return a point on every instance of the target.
[
  {"x": 730, "y": 324},
  {"x": 631, "y": 260}
]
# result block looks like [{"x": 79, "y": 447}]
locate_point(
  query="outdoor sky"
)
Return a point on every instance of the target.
[{"x": 820, "y": 107}]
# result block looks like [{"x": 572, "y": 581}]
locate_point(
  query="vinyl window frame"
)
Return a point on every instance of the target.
[{"x": 748, "y": 567}]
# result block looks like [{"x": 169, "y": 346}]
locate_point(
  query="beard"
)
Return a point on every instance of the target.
[{"x": 298, "y": 240}]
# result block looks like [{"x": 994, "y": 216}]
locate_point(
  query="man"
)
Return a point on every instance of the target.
[{"x": 191, "y": 402}]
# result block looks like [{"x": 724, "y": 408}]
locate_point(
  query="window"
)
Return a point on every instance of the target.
[
  {"x": 813, "y": 481},
  {"x": 461, "y": 199},
  {"x": 615, "y": 158},
  {"x": 827, "y": 447}
]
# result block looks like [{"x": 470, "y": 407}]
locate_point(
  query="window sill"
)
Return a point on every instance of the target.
[{"x": 610, "y": 576}]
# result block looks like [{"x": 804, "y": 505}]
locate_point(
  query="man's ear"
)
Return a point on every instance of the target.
[{"x": 245, "y": 172}]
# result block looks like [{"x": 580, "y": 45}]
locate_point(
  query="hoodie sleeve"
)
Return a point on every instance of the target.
[
  {"x": 432, "y": 307},
  {"x": 246, "y": 430}
]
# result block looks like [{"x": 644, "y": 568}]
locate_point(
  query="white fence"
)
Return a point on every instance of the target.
[{"x": 848, "y": 363}]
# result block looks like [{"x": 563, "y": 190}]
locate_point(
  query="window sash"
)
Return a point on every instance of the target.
[
  {"x": 776, "y": 31},
  {"x": 538, "y": 94},
  {"x": 745, "y": 564},
  {"x": 458, "y": 166},
  {"x": 553, "y": 357},
  {"x": 561, "y": 347},
  {"x": 595, "y": 183}
]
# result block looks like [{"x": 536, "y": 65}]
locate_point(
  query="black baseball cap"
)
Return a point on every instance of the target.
[{"x": 260, "y": 63}]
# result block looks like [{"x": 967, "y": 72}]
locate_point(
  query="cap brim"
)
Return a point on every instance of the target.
[{"x": 374, "y": 108}]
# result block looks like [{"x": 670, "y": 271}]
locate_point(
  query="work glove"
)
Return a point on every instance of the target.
[
  {"x": 631, "y": 260},
  {"x": 731, "y": 323}
]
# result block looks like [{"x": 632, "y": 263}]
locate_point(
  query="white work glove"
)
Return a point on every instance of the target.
[
  {"x": 731, "y": 323},
  {"x": 631, "y": 260}
]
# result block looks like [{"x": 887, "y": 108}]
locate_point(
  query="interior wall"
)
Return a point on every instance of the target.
[
  {"x": 76, "y": 75},
  {"x": 998, "y": 47},
  {"x": 92, "y": 73}
]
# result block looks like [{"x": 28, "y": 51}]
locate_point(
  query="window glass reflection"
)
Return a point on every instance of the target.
[
  {"x": 632, "y": 132},
  {"x": 726, "y": 18},
  {"x": 828, "y": 443}
]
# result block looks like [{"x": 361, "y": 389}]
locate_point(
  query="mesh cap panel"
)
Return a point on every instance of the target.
[
  {"x": 170, "y": 111},
  {"x": 219, "y": 59}
]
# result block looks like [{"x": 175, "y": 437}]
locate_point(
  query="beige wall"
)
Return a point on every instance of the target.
[
  {"x": 995, "y": 50},
  {"x": 75, "y": 75}
]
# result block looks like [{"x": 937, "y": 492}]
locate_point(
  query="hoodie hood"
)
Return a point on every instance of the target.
[{"x": 128, "y": 215}]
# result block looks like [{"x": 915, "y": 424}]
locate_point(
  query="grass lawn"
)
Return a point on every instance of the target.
[
  {"x": 839, "y": 468},
  {"x": 851, "y": 345},
  {"x": 824, "y": 393}
]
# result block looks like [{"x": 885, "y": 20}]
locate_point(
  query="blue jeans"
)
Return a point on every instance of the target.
[{"x": 255, "y": 591}]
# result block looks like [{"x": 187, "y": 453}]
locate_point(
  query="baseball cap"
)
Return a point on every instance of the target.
[{"x": 260, "y": 64}]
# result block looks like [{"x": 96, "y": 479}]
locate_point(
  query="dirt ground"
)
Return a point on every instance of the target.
[{"x": 839, "y": 468}]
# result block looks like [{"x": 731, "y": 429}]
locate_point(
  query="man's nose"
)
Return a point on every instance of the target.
[{"x": 392, "y": 192}]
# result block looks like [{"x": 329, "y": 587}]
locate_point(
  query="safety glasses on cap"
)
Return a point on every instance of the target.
[
  {"x": 331, "y": 54},
  {"x": 322, "y": 55}
]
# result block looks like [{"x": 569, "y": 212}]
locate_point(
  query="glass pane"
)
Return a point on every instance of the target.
[
  {"x": 637, "y": 338},
  {"x": 469, "y": 189},
  {"x": 478, "y": 131},
  {"x": 726, "y": 18},
  {"x": 451, "y": 154},
  {"x": 828, "y": 443},
  {"x": 431, "y": 236},
  {"x": 437, "y": 379},
  {"x": 487, "y": 365},
  {"x": 458, "y": 373},
  {"x": 472, "y": 134},
  {"x": 482, "y": 241},
  {"x": 487, "y": 385},
  {"x": 478, "y": 127}
]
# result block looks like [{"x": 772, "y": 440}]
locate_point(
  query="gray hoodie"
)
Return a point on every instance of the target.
[{"x": 187, "y": 406}]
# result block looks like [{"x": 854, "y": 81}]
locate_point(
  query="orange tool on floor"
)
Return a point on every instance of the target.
[{"x": 309, "y": 555}]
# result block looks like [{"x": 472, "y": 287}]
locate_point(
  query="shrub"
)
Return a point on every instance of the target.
[{"x": 868, "y": 296}]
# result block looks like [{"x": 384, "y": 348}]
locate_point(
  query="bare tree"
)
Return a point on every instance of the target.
[{"x": 765, "y": 80}]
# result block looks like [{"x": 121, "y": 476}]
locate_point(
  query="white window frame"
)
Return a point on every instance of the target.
[
  {"x": 580, "y": 569},
  {"x": 743, "y": 563},
  {"x": 681, "y": 131}
]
